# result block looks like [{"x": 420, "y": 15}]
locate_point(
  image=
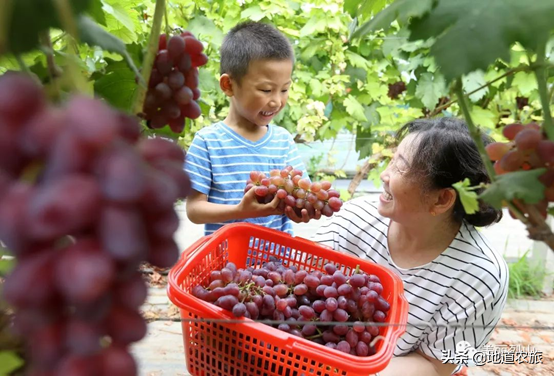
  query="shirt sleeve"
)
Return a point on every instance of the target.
[
  {"x": 465, "y": 326},
  {"x": 198, "y": 165}
]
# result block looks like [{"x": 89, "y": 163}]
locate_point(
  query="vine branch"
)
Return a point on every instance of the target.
[
  {"x": 437, "y": 110},
  {"x": 540, "y": 74},
  {"x": 150, "y": 56}
]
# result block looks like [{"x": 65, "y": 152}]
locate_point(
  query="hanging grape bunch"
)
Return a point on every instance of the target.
[
  {"x": 83, "y": 202},
  {"x": 294, "y": 191},
  {"x": 173, "y": 87},
  {"x": 527, "y": 149},
  {"x": 289, "y": 294}
]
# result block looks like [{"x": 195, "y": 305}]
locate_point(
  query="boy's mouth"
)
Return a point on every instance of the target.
[{"x": 265, "y": 113}]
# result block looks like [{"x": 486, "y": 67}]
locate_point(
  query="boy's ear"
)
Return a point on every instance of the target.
[{"x": 226, "y": 85}]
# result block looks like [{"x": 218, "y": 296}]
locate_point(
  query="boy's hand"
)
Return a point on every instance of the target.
[
  {"x": 305, "y": 217},
  {"x": 251, "y": 208}
]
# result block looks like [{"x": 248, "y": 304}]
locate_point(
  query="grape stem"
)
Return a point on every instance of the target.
[
  {"x": 54, "y": 72},
  {"x": 5, "y": 11},
  {"x": 540, "y": 74},
  {"x": 520, "y": 68},
  {"x": 150, "y": 56},
  {"x": 476, "y": 135}
]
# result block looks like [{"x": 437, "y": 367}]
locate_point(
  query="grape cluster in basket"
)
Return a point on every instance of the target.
[
  {"x": 173, "y": 87},
  {"x": 290, "y": 295},
  {"x": 294, "y": 191}
]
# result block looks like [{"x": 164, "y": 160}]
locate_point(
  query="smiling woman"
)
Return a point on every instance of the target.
[{"x": 453, "y": 279}]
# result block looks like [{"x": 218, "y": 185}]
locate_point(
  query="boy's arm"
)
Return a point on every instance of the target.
[{"x": 200, "y": 211}]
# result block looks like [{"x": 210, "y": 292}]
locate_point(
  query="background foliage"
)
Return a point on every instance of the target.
[{"x": 339, "y": 84}]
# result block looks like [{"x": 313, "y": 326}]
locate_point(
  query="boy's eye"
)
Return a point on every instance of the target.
[
  {"x": 284, "y": 91},
  {"x": 266, "y": 91}
]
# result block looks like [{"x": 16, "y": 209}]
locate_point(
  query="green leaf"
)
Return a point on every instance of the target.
[
  {"x": 203, "y": 26},
  {"x": 254, "y": 13},
  {"x": 313, "y": 26},
  {"x": 117, "y": 85},
  {"x": 120, "y": 14},
  {"x": 351, "y": 6},
  {"x": 94, "y": 35},
  {"x": 364, "y": 143},
  {"x": 373, "y": 117},
  {"x": 96, "y": 12},
  {"x": 357, "y": 60},
  {"x": 473, "y": 81},
  {"x": 316, "y": 87},
  {"x": 472, "y": 34},
  {"x": 467, "y": 197},
  {"x": 523, "y": 185},
  {"x": 29, "y": 18},
  {"x": 9, "y": 362},
  {"x": 484, "y": 118},
  {"x": 400, "y": 10},
  {"x": 430, "y": 88},
  {"x": 525, "y": 82},
  {"x": 6, "y": 266},
  {"x": 354, "y": 108}
]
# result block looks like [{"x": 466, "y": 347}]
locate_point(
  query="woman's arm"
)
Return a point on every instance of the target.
[{"x": 417, "y": 364}]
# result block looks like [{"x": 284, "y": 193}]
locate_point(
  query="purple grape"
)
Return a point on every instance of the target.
[
  {"x": 330, "y": 268},
  {"x": 320, "y": 290},
  {"x": 330, "y": 336},
  {"x": 344, "y": 347},
  {"x": 358, "y": 327},
  {"x": 331, "y": 304},
  {"x": 344, "y": 289},
  {"x": 274, "y": 276},
  {"x": 352, "y": 338},
  {"x": 382, "y": 305},
  {"x": 307, "y": 312},
  {"x": 239, "y": 310},
  {"x": 299, "y": 276},
  {"x": 268, "y": 290},
  {"x": 281, "y": 290},
  {"x": 326, "y": 316},
  {"x": 311, "y": 281},
  {"x": 288, "y": 277},
  {"x": 252, "y": 308},
  {"x": 357, "y": 280},
  {"x": 300, "y": 289},
  {"x": 309, "y": 330},
  {"x": 331, "y": 345},
  {"x": 227, "y": 302},
  {"x": 318, "y": 306},
  {"x": 362, "y": 349},
  {"x": 284, "y": 327},
  {"x": 377, "y": 287},
  {"x": 379, "y": 316},
  {"x": 330, "y": 292},
  {"x": 226, "y": 275},
  {"x": 281, "y": 304},
  {"x": 373, "y": 330},
  {"x": 215, "y": 275},
  {"x": 340, "y": 329},
  {"x": 327, "y": 280},
  {"x": 339, "y": 278},
  {"x": 231, "y": 289},
  {"x": 340, "y": 315},
  {"x": 365, "y": 337}
]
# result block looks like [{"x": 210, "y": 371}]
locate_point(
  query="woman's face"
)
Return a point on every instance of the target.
[{"x": 403, "y": 199}]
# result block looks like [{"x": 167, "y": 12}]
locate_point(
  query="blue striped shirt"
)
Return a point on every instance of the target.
[{"x": 219, "y": 162}]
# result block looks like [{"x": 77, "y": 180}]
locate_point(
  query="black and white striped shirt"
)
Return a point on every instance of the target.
[{"x": 465, "y": 287}]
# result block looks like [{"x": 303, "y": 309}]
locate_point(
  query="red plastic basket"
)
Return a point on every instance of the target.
[{"x": 256, "y": 349}]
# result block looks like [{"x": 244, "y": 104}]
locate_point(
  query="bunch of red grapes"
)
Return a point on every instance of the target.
[
  {"x": 83, "y": 202},
  {"x": 294, "y": 191},
  {"x": 291, "y": 295},
  {"x": 527, "y": 149},
  {"x": 173, "y": 86}
]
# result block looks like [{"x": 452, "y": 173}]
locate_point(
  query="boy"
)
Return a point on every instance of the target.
[{"x": 256, "y": 68}]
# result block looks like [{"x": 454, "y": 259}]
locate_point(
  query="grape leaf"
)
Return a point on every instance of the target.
[
  {"x": 475, "y": 80},
  {"x": 96, "y": 12},
  {"x": 525, "y": 82},
  {"x": 364, "y": 143},
  {"x": 254, "y": 13},
  {"x": 9, "y": 362},
  {"x": 95, "y": 35},
  {"x": 30, "y": 17},
  {"x": 400, "y": 10},
  {"x": 430, "y": 88},
  {"x": 467, "y": 197},
  {"x": 484, "y": 118},
  {"x": 472, "y": 34},
  {"x": 354, "y": 108},
  {"x": 351, "y": 6},
  {"x": 523, "y": 185},
  {"x": 117, "y": 85}
]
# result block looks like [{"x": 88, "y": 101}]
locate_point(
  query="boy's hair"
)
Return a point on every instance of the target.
[{"x": 249, "y": 41}]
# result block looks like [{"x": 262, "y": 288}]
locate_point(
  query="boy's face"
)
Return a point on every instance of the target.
[{"x": 262, "y": 92}]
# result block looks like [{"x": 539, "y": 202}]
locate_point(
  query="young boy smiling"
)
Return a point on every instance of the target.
[{"x": 256, "y": 69}]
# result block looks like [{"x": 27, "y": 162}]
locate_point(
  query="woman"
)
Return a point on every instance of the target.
[{"x": 453, "y": 280}]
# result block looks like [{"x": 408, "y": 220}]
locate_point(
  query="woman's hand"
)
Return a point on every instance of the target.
[{"x": 305, "y": 218}]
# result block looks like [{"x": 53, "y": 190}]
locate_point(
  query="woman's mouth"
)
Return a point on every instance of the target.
[{"x": 387, "y": 196}]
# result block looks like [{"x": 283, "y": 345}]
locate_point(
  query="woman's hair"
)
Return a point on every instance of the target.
[
  {"x": 250, "y": 41},
  {"x": 445, "y": 154}
]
